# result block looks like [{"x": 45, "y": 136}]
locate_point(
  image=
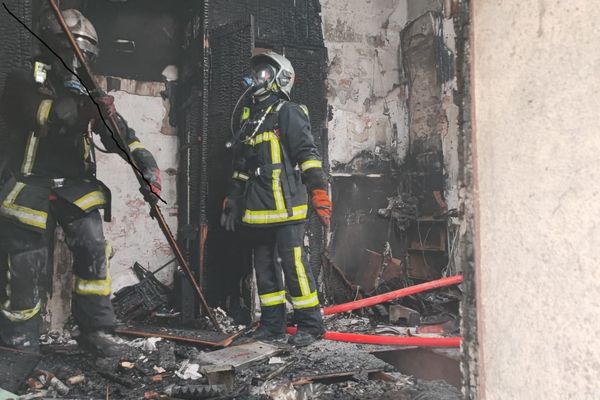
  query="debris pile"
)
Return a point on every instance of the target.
[
  {"x": 139, "y": 301},
  {"x": 402, "y": 210},
  {"x": 158, "y": 368}
]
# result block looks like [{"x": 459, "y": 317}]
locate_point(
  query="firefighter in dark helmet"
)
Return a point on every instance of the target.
[
  {"x": 275, "y": 162},
  {"x": 50, "y": 179}
]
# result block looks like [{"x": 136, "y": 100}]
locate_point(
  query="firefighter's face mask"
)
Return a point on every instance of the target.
[{"x": 263, "y": 76}]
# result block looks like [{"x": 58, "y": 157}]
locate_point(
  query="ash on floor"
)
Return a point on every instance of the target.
[{"x": 161, "y": 369}]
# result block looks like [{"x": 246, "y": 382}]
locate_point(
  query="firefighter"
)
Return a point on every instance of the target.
[
  {"x": 275, "y": 162},
  {"x": 49, "y": 180}
]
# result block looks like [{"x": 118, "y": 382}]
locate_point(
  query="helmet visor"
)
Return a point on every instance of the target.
[{"x": 263, "y": 75}]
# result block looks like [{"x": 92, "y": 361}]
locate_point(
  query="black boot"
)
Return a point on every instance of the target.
[
  {"x": 310, "y": 327},
  {"x": 102, "y": 343},
  {"x": 22, "y": 335},
  {"x": 272, "y": 324},
  {"x": 304, "y": 338}
]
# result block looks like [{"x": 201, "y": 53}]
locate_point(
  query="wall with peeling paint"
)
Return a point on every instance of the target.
[
  {"x": 134, "y": 235},
  {"x": 366, "y": 85},
  {"x": 535, "y": 77},
  {"x": 364, "y": 77}
]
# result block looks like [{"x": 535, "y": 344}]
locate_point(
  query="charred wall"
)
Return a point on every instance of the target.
[
  {"x": 16, "y": 45},
  {"x": 391, "y": 87}
]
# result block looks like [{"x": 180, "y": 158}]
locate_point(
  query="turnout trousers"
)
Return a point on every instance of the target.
[
  {"x": 24, "y": 256},
  {"x": 278, "y": 249}
]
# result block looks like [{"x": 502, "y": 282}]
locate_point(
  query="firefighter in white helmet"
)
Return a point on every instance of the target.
[{"x": 276, "y": 165}]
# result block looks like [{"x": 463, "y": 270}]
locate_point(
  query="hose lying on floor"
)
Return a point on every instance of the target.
[
  {"x": 382, "y": 298},
  {"x": 389, "y": 340}
]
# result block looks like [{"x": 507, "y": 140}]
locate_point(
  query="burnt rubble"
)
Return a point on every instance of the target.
[{"x": 156, "y": 368}]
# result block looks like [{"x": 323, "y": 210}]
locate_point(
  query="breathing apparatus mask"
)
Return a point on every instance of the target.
[
  {"x": 69, "y": 80},
  {"x": 270, "y": 73},
  {"x": 87, "y": 40}
]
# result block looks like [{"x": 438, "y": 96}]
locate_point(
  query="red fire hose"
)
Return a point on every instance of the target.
[
  {"x": 389, "y": 340},
  {"x": 382, "y": 298}
]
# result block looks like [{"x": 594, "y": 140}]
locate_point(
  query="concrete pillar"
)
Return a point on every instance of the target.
[{"x": 537, "y": 147}]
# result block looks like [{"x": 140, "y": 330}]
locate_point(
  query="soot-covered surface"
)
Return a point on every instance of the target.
[{"x": 324, "y": 370}]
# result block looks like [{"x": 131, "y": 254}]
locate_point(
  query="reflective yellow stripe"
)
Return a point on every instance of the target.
[
  {"x": 12, "y": 196},
  {"x": 273, "y": 216},
  {"x": 16, "y": 315},
  {"x": 272, "y": 299},
  {"x": 310, "y": 300},
  {"x": 21, "y": 315},
  {"x": 275, "y": 150},
  {"x": 96, "y": 287},
  {"x": 240, "y": 176},
  {"x": 43, "y": 112},
  {"x": 262, "y": 137},
  {"x": 30, "y": 152},
  {"x": 310, "y": 164},
  {"x": 277, "y": 192},
  {"x": 135, "y": 145},
  {"x": 92, "y": 199},
  {"x": 301, "y": 272},
  {"x": 276, "y": 174},
  {"x": 25, "y": 215},
  {"x": 246, "y": 113}
]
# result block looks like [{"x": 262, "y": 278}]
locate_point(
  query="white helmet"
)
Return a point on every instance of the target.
[{"x": 279, "y": 77}]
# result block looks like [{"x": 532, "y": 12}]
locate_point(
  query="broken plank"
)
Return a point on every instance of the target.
[
  {"x": 201, "y": 337},
  {"x": 334, "y": 376}
]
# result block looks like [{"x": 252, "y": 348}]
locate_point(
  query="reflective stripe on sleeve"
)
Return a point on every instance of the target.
[
  {"x": 273, "y": 216},
  {"x": 135, "y": 145},
  {"x": 306, "y": 165}
]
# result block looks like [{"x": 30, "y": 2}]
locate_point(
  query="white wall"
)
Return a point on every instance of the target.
[
  {"x": 536, "y": 107},
  {"x": 364, "y": 90},
  {"x": 134, "y": 235}
]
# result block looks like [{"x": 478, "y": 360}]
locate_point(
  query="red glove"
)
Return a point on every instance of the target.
[
  {"x": 322, "y": 205},
  {"x": 151, "y": 192},
  {"x": 155, "y": 182},
  {"x": 107, "y": 105}
]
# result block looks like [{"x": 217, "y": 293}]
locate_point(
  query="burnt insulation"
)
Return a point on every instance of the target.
[
  {"x": 15, "y": 46},
  {"x": 227, "y": 259},
  {"x": 191, "y": 188}
]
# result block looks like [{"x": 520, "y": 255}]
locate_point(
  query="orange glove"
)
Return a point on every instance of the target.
[{"x": 322, "y": 205}]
